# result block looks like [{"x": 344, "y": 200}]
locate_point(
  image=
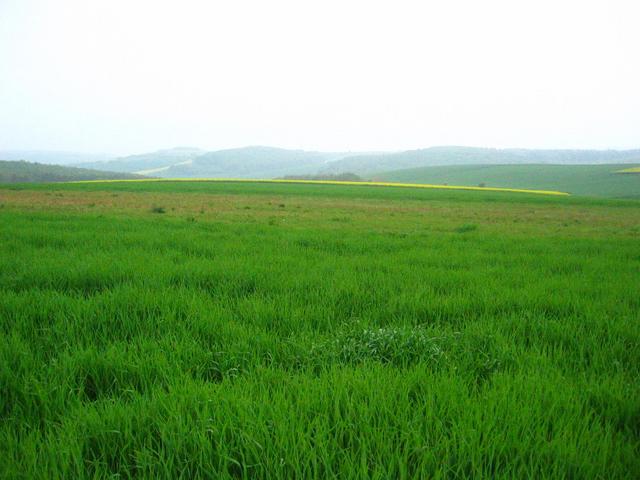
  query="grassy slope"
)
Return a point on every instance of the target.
[
  {"x": 21, "y": 171},
  {"x": 277, "y": 331},
  {"x": 597, "y": 180}
]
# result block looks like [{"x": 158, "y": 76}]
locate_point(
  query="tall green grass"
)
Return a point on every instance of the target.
[{"x": 150, "y": 346}]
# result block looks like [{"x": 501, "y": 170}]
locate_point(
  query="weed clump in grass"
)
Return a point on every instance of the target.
[
  {"x": 397, "y": 346},
  {"x": 467, "y": 227}
]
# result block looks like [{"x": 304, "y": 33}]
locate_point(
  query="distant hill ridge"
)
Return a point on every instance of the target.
[
  {"x": 434, "y": 156},
  {"x": 271, "y": 162}
]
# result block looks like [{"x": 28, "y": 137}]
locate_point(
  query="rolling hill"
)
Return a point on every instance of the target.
[
  {"x": 21, "y": 171},
  {"x": 246, "y": 162},
  {"x": 591, "y": 180},
  {"x": 271, "y": 162},
  {"x": 253, "y": 162}
]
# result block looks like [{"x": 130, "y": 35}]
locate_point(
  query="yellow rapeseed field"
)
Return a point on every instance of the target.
[
  {"x": 334, "y": 182},
  {"x": 629, "y": 170}
]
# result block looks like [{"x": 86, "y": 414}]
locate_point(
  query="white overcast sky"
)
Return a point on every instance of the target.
[{"x": 127, "y": 76}]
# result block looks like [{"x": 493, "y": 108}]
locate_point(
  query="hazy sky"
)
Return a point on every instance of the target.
[{"x": 127, "y": 76}]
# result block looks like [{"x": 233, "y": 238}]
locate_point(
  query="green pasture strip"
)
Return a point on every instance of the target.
[
  {"x": 319, "y": 190},
  {"x": 587, "y": 180},
  {"x": 339, "y": 182}
]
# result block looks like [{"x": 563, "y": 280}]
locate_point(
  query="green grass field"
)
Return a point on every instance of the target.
[
  {"x": 245, "y": 330},
  {"x": 587, "y": 180}
]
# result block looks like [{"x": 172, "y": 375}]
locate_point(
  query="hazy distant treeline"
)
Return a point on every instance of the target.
[{"x": 21, "y": 171}]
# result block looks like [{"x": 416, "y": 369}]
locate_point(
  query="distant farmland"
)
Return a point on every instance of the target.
[
  {"x": 587, "y": 180},
  {"x": 286, "y": 330}
]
